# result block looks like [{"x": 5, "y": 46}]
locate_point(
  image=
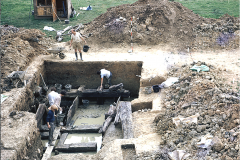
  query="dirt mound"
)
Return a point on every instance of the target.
[
  {"x": 19, "y": 46},
  {"x": 154, "y": 22},
  {"x": 215, "y": 106}
]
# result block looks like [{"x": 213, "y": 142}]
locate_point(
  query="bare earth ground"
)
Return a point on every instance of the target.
[{"x": 157, "y": 59}]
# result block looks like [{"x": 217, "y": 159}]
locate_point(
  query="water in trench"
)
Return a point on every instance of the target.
[
  {"x": 93, "y": 114},
  {"x": 84, "y": 138}
]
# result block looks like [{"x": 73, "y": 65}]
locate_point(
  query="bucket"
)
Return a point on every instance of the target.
[
  {"x": 60, "y": 117},
  {"x": 156, "y": 88},
  {"x": 58, "y": 87},
  {"x": 85, "y": 102},
  {"x": 67, "y": 21},
  {"x": 85, "y": 48},
  {"x": 68, "y": 87}
]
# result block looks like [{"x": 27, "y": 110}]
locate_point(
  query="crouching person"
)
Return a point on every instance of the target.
[{"x": 50, "y": 123}]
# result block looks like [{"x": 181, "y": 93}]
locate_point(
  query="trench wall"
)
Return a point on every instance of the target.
[
  {"x": 20, "y": 137},
  {"x": 85, "y": 73}
]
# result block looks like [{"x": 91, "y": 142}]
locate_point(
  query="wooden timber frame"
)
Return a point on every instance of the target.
[
  {"x": 52, "y": 9},
  {"x": 124, "y": 117}
]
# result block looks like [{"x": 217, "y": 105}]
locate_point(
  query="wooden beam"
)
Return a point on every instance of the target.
[
  {"x": 111, "y": 113},
  {"x": 72, "y": 110},
  {"x": 124, "y": 115},
  {"x": 116, "y": 120},
  {"x": 83, "y": 93},
  {"x": 39, "y": 114}
]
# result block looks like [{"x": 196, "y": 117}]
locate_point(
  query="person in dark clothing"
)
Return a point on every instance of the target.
[{"x": 50, "y": 123}]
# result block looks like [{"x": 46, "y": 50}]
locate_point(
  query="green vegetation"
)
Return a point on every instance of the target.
[
  {"x": 212, "y": 8},
  {"x": 18, "y": 12}
]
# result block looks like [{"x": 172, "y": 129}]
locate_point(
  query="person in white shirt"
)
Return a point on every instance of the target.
[
  {"x": 76, "y": 39},
  {"x": 105, "y": 73},
  {"x": 55, "y": 99}
]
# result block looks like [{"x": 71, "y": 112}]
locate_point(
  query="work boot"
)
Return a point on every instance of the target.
[
  {"x": 81, "y": 55},
  {"x": 76, "y": 56}
]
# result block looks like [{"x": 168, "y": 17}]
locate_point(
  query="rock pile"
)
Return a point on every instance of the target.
[
  {"x": 223, "y": 33},
  {"x": 199, "y": 105}
]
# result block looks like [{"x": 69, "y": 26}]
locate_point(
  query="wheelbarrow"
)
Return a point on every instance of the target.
[
  {"x": 57, "y": 52},
  {"x": 16, "y": 79}
]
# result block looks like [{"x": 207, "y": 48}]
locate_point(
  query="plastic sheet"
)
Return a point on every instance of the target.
[
  {"x": 3, "y": 98},
  {"x": 48, "y": 28}
]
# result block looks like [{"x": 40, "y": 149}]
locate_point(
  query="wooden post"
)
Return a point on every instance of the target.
[
  {"x": 126, "y": 119},
  {"x": 39, "y": 114},
  {"x": 116, "y": 121},
  {"x": 111, "y": 113}
]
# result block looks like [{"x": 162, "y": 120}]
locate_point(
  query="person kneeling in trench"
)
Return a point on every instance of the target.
[
  {"x": 107, "y": 74},
  {"x": 50, "y": 123}
]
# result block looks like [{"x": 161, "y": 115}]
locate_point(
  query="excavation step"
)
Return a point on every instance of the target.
[{"x": 76, "y": 147}]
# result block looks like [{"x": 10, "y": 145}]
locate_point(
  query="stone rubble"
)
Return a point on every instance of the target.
[{"x": 218, "y": 107}]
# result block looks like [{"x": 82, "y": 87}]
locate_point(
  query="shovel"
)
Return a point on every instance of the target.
[{"x": 45, "y": 88}]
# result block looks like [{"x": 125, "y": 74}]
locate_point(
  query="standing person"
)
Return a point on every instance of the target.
[
  {"x": 105, "y": 73},
  {"x": 50, "y": 123},
  {"x": 55, "y": 99},
  {"x": 76, "y": 38}
]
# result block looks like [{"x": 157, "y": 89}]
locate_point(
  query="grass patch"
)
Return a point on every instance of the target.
[
  {"x": 19, "y": 14},
  {"x": 212, "y": 8}
]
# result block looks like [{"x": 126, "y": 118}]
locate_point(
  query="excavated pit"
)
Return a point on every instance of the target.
[
  {"x": 74, "y": 73},
  {"x": 85, "y": 73}
]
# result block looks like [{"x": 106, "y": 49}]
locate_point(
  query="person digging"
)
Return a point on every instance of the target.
[
  {"x": 55, "y": 99},
  {"x": 107, "y": 74},
  {"x": 75, "y": 42}
]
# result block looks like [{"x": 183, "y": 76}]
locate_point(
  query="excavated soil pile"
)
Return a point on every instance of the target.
[
  {"x": 210, "y": 107},
  {"x": 161, "y": 22},
  {"x": 19, "y": 46}
]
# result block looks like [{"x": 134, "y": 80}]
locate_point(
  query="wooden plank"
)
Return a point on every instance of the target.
[
  {"x": 82, "y": 129},
  {"x": 126, "y": 119},
  {"x": 77, "y": 147},
  {"x": 49, "y": 11},
  {"x": 49, "y": 149},
  {"x": 116, "y": 120},
  {"x": 40, "y": 11},
  {"x": 83, "y": 93},
  {"x": 111, "y": 113},
  {"x": 115, "y": 87},
  {"x": 39, "y": 114},
  {"x": 72, "y": 111},
  {"x": 69, "y": 8},
  {"x": 54, "y": 8}
]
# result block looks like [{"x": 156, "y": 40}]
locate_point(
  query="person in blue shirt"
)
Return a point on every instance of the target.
[{"x": 50, "y": 123}]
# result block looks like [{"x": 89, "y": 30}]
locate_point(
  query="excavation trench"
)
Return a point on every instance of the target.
[{"x": 76, "y": 74}]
